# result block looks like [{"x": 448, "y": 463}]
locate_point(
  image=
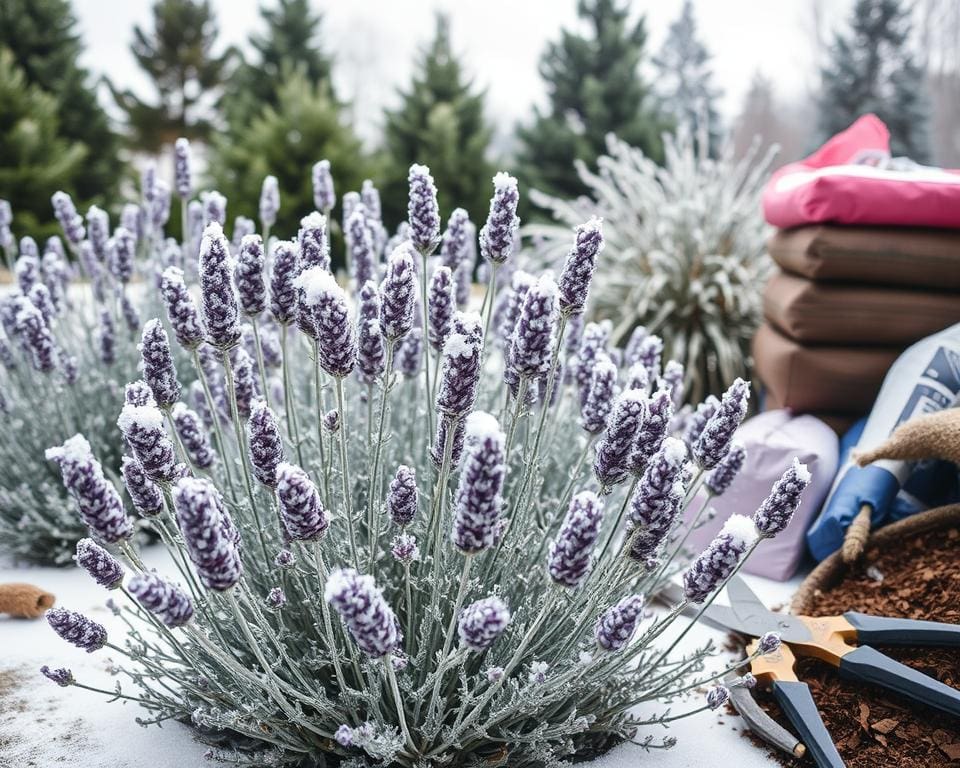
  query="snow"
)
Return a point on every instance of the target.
[
  {"x": 212, "y": 232},
  {"x": 315, "y": 220},
  {"x": 504, "y": 181},
  {"x": 317, "y": 283},
  {"x": 803, "y": 474},
  {"x": 145, "y": 416},
  {"x": 75, "y": 450},
  {"x": 674, "y": 450},
  {"x": 740, "y": 528}
]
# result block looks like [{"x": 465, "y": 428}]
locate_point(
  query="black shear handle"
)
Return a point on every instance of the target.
[
  {"x": 795, "y": 700},
  {"x": 868, "y": 665},
  {"x": 885, "y": 630}
]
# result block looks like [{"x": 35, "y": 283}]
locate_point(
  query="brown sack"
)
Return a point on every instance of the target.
[
  {"x": 830, "y": 379},
  {"x": 24, "y": 601},
  {"x": 901, "y": 256},
  {"x": 840, "y": 313}
]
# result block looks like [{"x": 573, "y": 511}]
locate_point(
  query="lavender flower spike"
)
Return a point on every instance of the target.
[
  {"x": 403, "y": 496},
  {"x": 266, "y": 444},
  {"x": 120, "y": 257},
  {"x": 653, "y": 431},
  {"x": 778, "y": 508},
  {"x": 398, "y": 294},
  {"x": 656, "y": 500},
  {"x": 371, "y": 351},
  {"x": 194, "y": 437},
  {"x": 330, "y": 314},
  {"x": 164, "y": 600},
  {"x": 248, "y": 276},
  {"x": 717, "y": 561},
  {"x": 208, "y": 532},
  {"x": 269, "y": 201},
  {"x": 98, "y": 230},
  {"x": 220, "y": 313},
  {"x": 482, "y": 622},
  {"x": 77, "y": 629},
  {"x": 714, "y": 441},
  {"x": 611, "y": 462},
  {"x": 423, "y": 213},
  {"x": 371, "y": 621},
  {"x": 181, "y": 310},
  {"x": 722, "y": 475},
  {"x": 360, "y": 243},
  {"x": 142, "y": 426},
  {"x": 578, "y": 269},
  {"x": 599, "y": 401},
  {"x": 410, "y": 354},
  {"x": 441, "y": 304},
  {"x": 144, "y": 493},
  {"x": 572, "y": 550},
  {"x": 460, "y": 375},
  {"x": 159, "y": 371},
  {"x": 61, "y": 676},
  {"x": 324, "y": 197},
  {"x": 214, "y": 208},
  {"x": 98, "y": 501},
  {"x": 717, "y": 696},
  {"x": 39, "y": 340},
  {"x": 478, "y": 499},
  {"x": 283, "y": 291},
  {"x": 313, "y": 242},
  {"x": 100, "y": 564},
  {"x": 616, "y": 626},
  {"x": 698, "y": 420},
  {"x": 531, "y": 346},
  {"x": 301, "y": 510},
  {"x": 497, "y": 235},
  {"x": 70, "y": 220},
  {"x": 404, "y": 548},
  {"x": 182, "y": 182},
  {"x": 138, "y": 393}
]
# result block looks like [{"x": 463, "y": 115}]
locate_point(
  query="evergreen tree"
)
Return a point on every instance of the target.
[
  {"x": 36, "y": 158},
  {"x": 46, "y": 47},
  {"x": 594, "y": 88},
  {"x": 872, "y": 69},
  {"x": 440, "y": 123},
  {"x": 179, "y": 58},
  {"x": 684, "y": 78}
]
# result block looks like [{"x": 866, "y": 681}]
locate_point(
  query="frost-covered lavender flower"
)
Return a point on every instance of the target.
[
  {"x": 572, "y": 550},
  {"x": 505, "y": 321},
  {"x": 159, "y": 371},
  {"x": 672, "y": 381},
  {"x": 196, "y": 217},
  {"x": 717, "y": 561},
  {"x": 181, "y": 309},
  {"x": 615, "y": 627},
  {"x": 532, "y": 342},
  {"x": 721, "y": 476},
  {"x": 34, "y": 331},
  {"x": 70, "y": 220},
  {"x": 131, "y": 317},
  {"x": 164, "y": 600},
  {"x": 324, "y": 197},
  {"x": 593, "y": 343},
  {"x": 454, "y": 242},
  {"x": 423, "y": 213},
  {"x": 482, "y": 622},
  {"x": 360, "y": 603},
  {"x": 276, "y": 599},
  {"x": 220, "y": 314},
  {"x": 182, "y": 182},
  {"x": 214, "y": 208},
  {"x": 242, "y": 227},
  {"x": 208, "y": 532},
  {"x": 314, "y": 242},
  {"x": 121, "y": 249},
  {"x": 194, "y": 437},
  {"x": 717, "y": 697},
  {"x": 612, "y": 460},
  {"x": 649, "y": 354},
  {"x": 344, "y": 734},
  {"x": 714, "y": 441},
  {"x": 350, "y": 202},
  {"x": 269, "y": 201},
  {"x": 40, "y": 297},
  {"x": 266, "y": 444},
  {"x": 599, "y": 400},
  {"x": 28, "y": 247},
  {"x": 410, "y": 354},
  {"x": 404, "y": 548},
  {"x": 698, "y": 420},
  {"x": 244, "y": 382},
  {"x": 103, "y": 567},
  {"x": 331, "y": 421},
  {"x": 439, "y": 442},
  {"x": 98, "y": 501},
  {"x": 478, "y": 500},
  {"x": 460, "y": 375},
  {"x": 360, "y": 243},
  {"x": 398, "y": 294},
  {"x": 441, "y": 304},
  {"x": 776, "y": 511},
  {"x": 578, "y": 269},
  {"x": 371, "y": 351},
  {"x": 285, "y": 559},
  {"x": 77, "y": 629},
  {"x": 283, "y": 290},
  {"x": 138, "y": 393},
  {"x": 497, "y": 235},
  {"x": 248, "y": 276},
  {"x": 69, "y": 367},
  {"x": 538, "y": 672},
  {"x": 145, "y": 495},
  {"x": 142, "y": 427},
  {"x": 301, "y": 510},
  {"x": 656, "y": 500},
  {"x": 330, "y": 315},
  {"x": 402, "y": 498},
  {"x": 61, "y": 676},
  {"x": 768, "y": 643},
  {"x": 653, "y": 431},
  {"x": 131, "y": 219},
  {"x": 27, "y": 270}
]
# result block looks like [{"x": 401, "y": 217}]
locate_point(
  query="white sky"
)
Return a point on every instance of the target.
[{"x": 375, "y": 42}]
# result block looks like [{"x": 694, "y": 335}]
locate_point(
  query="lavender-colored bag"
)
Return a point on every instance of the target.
[{"x": 772, "y": 439}]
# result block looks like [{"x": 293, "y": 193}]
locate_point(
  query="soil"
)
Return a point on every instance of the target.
[{"x": 872, "y": 727}]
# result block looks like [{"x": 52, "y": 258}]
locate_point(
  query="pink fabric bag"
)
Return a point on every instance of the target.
[{"x": 834, "y": 185}]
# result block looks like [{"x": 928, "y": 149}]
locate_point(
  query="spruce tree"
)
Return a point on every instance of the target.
[
  {"x": 684, "y": 78},
  {"x": 594, "y": 87},
  {"x": 178, "y": 55},
  {"x": 46, "y": 47},
  {"x": 871, "y": 69},
  {"x": 440, "y": 122}
]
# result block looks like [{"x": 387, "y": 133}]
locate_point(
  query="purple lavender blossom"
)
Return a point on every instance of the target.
[
  {"x": 371, "y": 351},
  {"x": 164, "y": 600},
  {"x": 572, "y": 550},
  {"x": 439, "y": 443},
  {"x": 159, "y": 371},
  {"x": 615, "y": 627},
  {"x": 77, "y": 629},
  {"x": 276, "y": 599},
  {"x": 672, "y": 381},
  {"x": 219, "y": 305},
  {"x": 36, "y": 334},
  {"x": 138, "y": 393},
  {"x": 98, "y": 501},
  {"x": 182, "y": 181},
  {"x": 653, "y": 431},
  {"x": 532, "y": 342},
  {"x": 454, "y": 242},
  {"x": 269, "y": 201},
  {"x": 330, "y": 315},
  {"x": 61, "y": 676},
  {"x": 196, "y": 216},
  {"x": 778, "y": 508},
  {"x": 460, "y": 374},
  {"x": 242, "y": 227},
  {"x": 404, "y": 548},
  {"x": 131, "y": 317},
  {"x": 360, "y": 603},
  {"x": 120, "y": 256},
  {"x": 611, "y": 462},
  {"x": 578, "y": 269},
  {"x": 248, "y": 276},
  {"x": 70, "y": 220},
  {"x": 410, "y": 354},
  {"x": 698, "y": 420},
  {"x": 656, "y": 501},
  {"x": 510, "y": 306},
  {"x": 181, "y": 310},
  {"x": 478, "y": 499},
  {"x": 144, "y": 493},
  {"x": 717, "y": 696},
  {"x": 208, "y": 532},
  {"x": 768, "y": 643},
  {"x": 214, "y": 208},
  {"x": 714, "y": 441},
  {"x": 266, "y": 444},
  {"x": 324, "y": 197},
  {"x": 27, "y": 269},
  {"x": 497, "y": 235},
  {"x": 441, "y": 304},
  {"x": 350, "y": 202},
  {"x": 244, "y": 381},
  {"x": 283, "y": 290},
  {"x": 370, "y": 196},
  {"x": 649, "y": 354},
  {"x": 313, "y": 241},
  {"x": 344, "y": 734},
  {"x": 301, "y": 510},
  {"x": 131, "y": 219},
  {"x": 194, "y": 437},
  {"x": 142, "y": 427},
  {"x": 331, "y": 421},
  {"x": 593, "y": 343},
  {"x": 599, "y": 401},
  {"x": 69, "y": 366},
  {"x": 482, "y": 622},
  {"x": 398, "y": 294},
  {"x": 721, "y": 476},
  {"x": 402, "y": 497},
  {"x": 360, "y": 244},
  {"x": 103, "y": 567},
  {"x": 718, "y": 561},
  {"x": 285, "y": 559},
  {"x": 463, "y": 274},
  {"x": 423, "y": 213}
]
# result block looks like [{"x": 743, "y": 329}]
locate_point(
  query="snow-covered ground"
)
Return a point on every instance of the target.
[{"x": 43, "y": 726}]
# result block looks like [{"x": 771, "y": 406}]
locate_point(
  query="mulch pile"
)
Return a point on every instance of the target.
[{"x": 872, "y": 727}]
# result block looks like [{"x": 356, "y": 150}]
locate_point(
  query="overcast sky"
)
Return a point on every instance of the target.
[{"x": 375, "y": 42}]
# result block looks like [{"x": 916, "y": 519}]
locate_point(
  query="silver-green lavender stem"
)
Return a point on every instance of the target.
[
  {"x": 373, "y": 489},
  {"x": 345, "y": 475},
  {"x": 261, "y": 368},
  {"x": 318, "y": 385},
  {"x": 215, "y": 417},
  {"x": 426, "y": 345},
  {"x": 289, "y": 400}
]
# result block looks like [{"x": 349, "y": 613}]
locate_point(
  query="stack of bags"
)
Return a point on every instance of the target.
[{"x": 869, "y": 263}]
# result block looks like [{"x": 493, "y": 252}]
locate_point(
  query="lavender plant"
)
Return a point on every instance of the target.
[{"x": 371, "y": 565}]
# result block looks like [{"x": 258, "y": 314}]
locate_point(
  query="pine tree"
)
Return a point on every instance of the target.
[
  {"x": 35, "y": 158},
  {"x": 179, "y": 57},
  {"x": 684, "y": 78},
  {"x": 43, "y": 38},
  {"x": 440, "y": 122},
  {"x": 872, "y": 69},
  {"x": 594, "y": 88}
]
